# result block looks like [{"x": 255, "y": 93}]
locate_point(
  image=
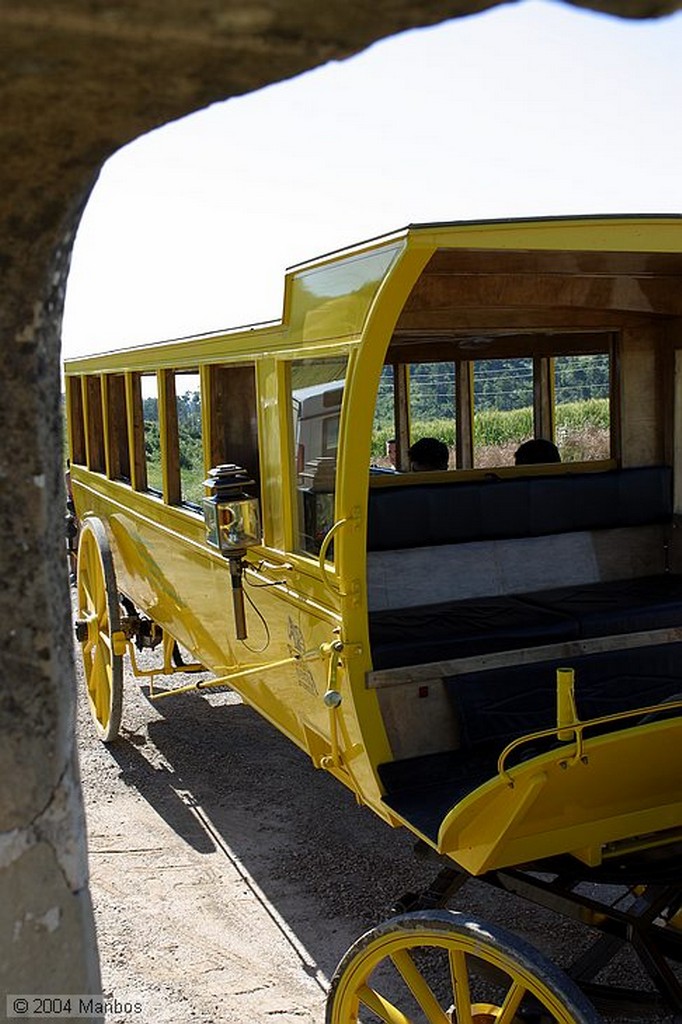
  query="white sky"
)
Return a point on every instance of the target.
[{"x": 529, "y": 109}]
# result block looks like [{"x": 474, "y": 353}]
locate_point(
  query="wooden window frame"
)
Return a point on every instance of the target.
[
  {"x": 168, "y": 437},
  {"x": 117, "y": 449},
  {"x": 544, "y": 386},
  {"x": 135, "y": 413},
  {"x": 75, "y": 417},
  {"x": 93, "y": 415},
  {"x": 230, "y": 416}
]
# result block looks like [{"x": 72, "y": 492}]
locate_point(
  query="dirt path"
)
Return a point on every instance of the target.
[{"x": 229, "y": 876}]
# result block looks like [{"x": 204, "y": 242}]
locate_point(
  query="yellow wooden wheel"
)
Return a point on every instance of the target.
[
  {"x": 98, "y": 629},
  {"x": 442, "y": 967}
]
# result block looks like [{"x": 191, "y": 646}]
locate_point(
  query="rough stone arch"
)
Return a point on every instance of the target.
[{"x": 79, "y": 79}]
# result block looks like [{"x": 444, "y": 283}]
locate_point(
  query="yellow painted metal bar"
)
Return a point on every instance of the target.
[
  {"x": 332, "y": 700},
  {"x": 206, "y": 416},
  {"x": 579, "y": 728},
  {"x": 205, "y": 684},
  {"x": 364, "y": 718},
  {"x": 324, "y": 548},
  {"x": 567, "y": 713},
  {"x": 165, "y": 395},
  {"x": 286, "y": 432},
  {"x": 167, "y": 669},
  {"x": 131, "y": 381}
]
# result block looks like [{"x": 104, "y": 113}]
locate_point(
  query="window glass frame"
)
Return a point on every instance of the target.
[
  {"x": 150, "y": 479},
  {"x": 93, "y": 413},
  {"x": 313, "y": 475},
  {"x": 190, "y": 490},
  {"x": 542, "y": 348},
  {"x": 117, "y": 427},
  {"x": 76, "y": 421}
]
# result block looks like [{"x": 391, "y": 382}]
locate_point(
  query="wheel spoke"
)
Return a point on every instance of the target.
[
  {"x": 460, "y": 986},
  {"x": 380, "y": 1006},
  {"x": 512, "y": 1003},
  {"x": 90, "y": 676},
  {"x": 102, "y": 687},
  {"x": 419, "y": 987},
  {"x": 89, "y": 600},
  {"x": 100, "y": 596}
]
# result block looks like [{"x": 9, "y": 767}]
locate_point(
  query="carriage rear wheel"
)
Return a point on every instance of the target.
[
  {"x": 98, "y": 629},
  {"x": 442, "y": 967}
]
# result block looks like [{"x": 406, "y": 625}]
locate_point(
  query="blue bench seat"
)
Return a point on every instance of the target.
[{"x": 460, "y": 629}]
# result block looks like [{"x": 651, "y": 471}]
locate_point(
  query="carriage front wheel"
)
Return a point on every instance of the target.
[
  {"x": 443, "y": 967},
  {"x": 98, "y": 628}
]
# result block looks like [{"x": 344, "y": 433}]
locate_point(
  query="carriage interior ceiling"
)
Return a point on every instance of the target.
[{"x": 411, "y": 620}]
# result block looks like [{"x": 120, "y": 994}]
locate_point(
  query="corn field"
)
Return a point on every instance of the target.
[{"x": 582, "y": 432}]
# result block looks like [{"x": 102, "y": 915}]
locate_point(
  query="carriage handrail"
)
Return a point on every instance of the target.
[
  {"x": 324, "y": 547},
  {"x": 578, "y": 728}
]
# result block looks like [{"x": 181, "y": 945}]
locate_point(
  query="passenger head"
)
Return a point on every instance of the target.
[
  {"x": 536, "y": 452},
  {"x": 428, "y": 453}
]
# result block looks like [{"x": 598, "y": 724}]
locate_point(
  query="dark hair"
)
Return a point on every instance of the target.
[
  {"x": 429, "y": 453},
  {"x": 536, "y": 452}
]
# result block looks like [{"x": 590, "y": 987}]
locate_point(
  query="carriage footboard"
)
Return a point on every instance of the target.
[{"x": 495, "y": 708}]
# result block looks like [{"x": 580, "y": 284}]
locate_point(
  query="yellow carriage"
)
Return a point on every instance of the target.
[{"x": 487, "y": 654}]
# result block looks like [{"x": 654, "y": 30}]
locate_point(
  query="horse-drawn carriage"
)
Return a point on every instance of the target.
[{"x": 488, "y": 655}]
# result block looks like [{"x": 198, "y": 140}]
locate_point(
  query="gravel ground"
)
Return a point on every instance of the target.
[{"x": 229, "y": 877}]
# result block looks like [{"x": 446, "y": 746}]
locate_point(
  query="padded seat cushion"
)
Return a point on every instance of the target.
[
  {"x": 460, "y": 629},
  {"x": 410, "y": 516},
  {"x": 616, "y": 606},
  {"x": 496, "y": 707}
]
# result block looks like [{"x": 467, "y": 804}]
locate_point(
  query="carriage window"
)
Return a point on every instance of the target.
[
  {"x": 432, "y": 402},
  {"x": 190, "y": 437},
  {"x": 503, "y": 409},
  {"x": 152, "y": 444},
  {"x": 233, "y": 417},
  {"x": 583, "y": 419},
  {"x": 383, "y": 429},
  {"x": 94, "y": 424},
  {"x": 317, "y": 393},
  {"x": 118, "y": 451},
  {"x": 432, "y": 392},
  {"x": 423, "y": 395},
  {"x": 76, "y": 420},
  {"x": 137, "y": 458}
]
